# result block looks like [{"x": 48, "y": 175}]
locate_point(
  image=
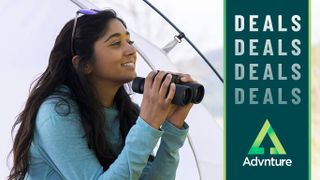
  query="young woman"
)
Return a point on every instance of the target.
[{"x": 79, "y": 121}]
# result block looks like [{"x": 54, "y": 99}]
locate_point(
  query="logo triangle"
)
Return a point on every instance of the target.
[{"x": 267, "y": 129}]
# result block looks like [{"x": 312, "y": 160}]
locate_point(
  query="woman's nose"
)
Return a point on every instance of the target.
[{"x": 129, "y": 49}]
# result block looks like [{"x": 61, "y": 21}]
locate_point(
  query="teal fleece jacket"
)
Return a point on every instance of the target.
[{"x": 59, "y": 149}]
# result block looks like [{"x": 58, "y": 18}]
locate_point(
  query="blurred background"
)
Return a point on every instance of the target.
[{"x": 27, "y": 36}]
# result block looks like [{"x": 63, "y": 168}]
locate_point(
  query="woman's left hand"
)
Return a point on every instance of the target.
[{"x": 178, "y": 114}]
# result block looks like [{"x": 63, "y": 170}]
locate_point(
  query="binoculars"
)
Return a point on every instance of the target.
[{"x": 184, "y": 94}]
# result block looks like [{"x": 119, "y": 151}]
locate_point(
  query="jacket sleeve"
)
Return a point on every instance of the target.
[
  {"x": 166, "y": 161},
  {"x": 61, "y": 142}
]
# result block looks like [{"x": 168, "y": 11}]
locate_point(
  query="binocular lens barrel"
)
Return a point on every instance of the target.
[
  {"x": 184, "y": 94},
  {"x": 197, "y": 92}
]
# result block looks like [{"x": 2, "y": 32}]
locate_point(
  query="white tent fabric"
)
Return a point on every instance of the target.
[{"x": 27, "y": 34}]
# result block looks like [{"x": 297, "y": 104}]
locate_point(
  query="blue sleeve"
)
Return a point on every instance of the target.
[
  {"x": 61, "y": 141},
  {"x": 166, "y": 161}
]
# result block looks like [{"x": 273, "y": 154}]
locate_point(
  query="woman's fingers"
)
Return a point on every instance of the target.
[
  {"x": 170, "y": 96},
  {"x": 186, "y": 78},
  {"x": 155, "y": 104},
  {"x": 149, "y": 80},
  {"x": 158, "y": 81},
  {"x": 165, "y": 86}
]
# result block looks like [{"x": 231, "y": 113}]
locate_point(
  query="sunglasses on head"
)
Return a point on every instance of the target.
[{"x": 84, "y": 12}]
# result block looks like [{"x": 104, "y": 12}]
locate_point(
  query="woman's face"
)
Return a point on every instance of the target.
[{"x": 115, "y": 57}]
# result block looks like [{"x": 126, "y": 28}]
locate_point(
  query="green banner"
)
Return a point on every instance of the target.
[{"x": 267, "y": 90}]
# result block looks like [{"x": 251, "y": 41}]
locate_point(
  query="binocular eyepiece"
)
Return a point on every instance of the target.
[{"x": 184, "y": 94}]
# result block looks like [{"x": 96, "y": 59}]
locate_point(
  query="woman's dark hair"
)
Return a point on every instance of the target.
[{"x": 61, "y": 71}]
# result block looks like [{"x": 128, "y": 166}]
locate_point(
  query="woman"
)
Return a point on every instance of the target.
[{"x": 79, "y": 121}]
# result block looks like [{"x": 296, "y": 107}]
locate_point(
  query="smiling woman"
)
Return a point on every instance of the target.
[
  {"x": 116, "y": 52},
  {"x": 79, "y": 121}
]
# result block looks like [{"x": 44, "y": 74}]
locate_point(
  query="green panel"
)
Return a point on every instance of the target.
[{"x": 267, "y": 89}]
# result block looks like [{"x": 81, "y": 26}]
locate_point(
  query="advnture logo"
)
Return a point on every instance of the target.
[
  {"x": 256, "y": 149},
  {"x": 266, "y": 129}
]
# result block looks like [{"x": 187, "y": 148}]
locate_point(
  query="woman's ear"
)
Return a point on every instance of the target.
[
  {"x": 87, "y": 67},
  {"x": 75, "y": 61}
]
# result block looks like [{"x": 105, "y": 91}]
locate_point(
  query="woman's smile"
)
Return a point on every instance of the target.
[{"x": 129, "y": 65}]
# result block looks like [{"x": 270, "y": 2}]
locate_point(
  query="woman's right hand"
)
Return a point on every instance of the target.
[{"x": 155, "y": 104}]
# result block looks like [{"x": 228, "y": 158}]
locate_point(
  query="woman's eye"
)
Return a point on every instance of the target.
[
  {"x": 130, "y": 42},
  {"x": 116, "y": 43}
]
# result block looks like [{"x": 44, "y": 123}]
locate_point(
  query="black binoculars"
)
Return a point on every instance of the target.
[{"x": 184, "y": 94}]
